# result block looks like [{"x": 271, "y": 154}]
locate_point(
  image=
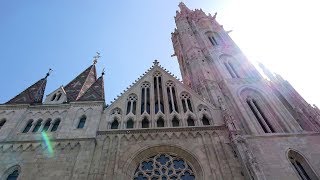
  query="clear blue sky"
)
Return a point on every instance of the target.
[{"x": 64, "y": 35}]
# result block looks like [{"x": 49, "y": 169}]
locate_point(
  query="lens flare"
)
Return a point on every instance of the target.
[{"x": 48, "y": 143}]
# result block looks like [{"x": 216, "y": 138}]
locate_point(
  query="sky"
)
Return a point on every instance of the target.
[{"x": 64, "y": 35}]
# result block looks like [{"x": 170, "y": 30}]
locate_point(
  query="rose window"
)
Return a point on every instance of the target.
[{"x": 164, "y": 167}]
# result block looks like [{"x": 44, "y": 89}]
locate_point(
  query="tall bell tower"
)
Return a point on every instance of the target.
[{"x": 213, "y": 65}]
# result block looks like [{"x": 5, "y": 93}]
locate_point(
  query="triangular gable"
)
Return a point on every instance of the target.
[
  {"x": 78, "y": 86},
  {"x": 135, "y": 88},
  {"x": 95, "y": 92},
  {"x": 58, "y": 96},
  {"x": 31, "y": 95}
]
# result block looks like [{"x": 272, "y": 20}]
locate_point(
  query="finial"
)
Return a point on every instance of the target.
[
  {"x": 48, "y": 73},
  {"x": 103, "y": 71},
  {"x": 96, "y": 57},
  {"x": 156, "y": 62}
]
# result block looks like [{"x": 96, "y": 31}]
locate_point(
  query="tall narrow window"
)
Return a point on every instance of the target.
[
  {"x": 234, "y": 70},
  {"x": 186, "y": 102},
  {"x": 59, "y": 96},
  {"x": 205, "y": 121},
  {"x": 2, "y": 123},
  {"x": 175, "y": 122},
  {"x": 145, "y": 123},
  {"x": 301, "y": 166},
  {"x": 213, "y": 40},
  {"x": 82, "y": 122},
  {"x": 145, "y": 97},
  {"x": 130, "y": 124},
  {"x": 131, "y": 103},
  {"x": 14, "y": 175},
  {"x": 53, "y": 97},
  {"x": 46, "y": 125},
  {"x": 259, "y": 115},
  {"x": 160, "y": 122},
  {"x": 28, "y": 126},
  {"x": 55, "y": 125},
  {"x": 115, "y": 124},
  {"x": 172, "y": 100},
  {"x": 190, "y": 121},
  {"x": 229, "y": 70},
  {"x": 37, "y": 126},
  {"x": 158, "y": 94}
]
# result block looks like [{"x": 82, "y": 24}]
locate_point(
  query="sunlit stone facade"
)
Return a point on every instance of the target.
[{"x": 223, "y": 121}]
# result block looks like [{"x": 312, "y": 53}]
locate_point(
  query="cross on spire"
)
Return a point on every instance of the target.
[
  {"x": 48, "y": 73},
  {"x": 156, "y": 62},
  {"x": 96, "y": 57}
]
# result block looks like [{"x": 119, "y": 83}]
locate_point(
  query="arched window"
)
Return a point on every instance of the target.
[
  {"x": 145, "y": 97},
  {"x": 53, "y": 97},
  {"x": 2, "y": 123},
  {"x": 259, "y": 115},
  {"x": 55, "y": 125},
  {"x": 82, "y": 122},
  {"x": 175, "y": 122},
  {"x": 145, "y": 123},
  {"x": 158, "y": 94},
  {"x": 59, "y": 96},
  {"x": 130, "y": 124},
  {"x": 205, "y": 121},
  {"x": 115, "y": 124},
  {"x": 160, "y": 122},
  {"x": 229, "y": 63},
  {"x": 46, "y": 125},
  {"x": 14, "y": 175},
  {"x": 28, "y": 126},
  {"x": 190, "y": 121},
  {"x": 37, "y": 126},
  {"x": 301, "y": 166},
  {"x": 186, "y": 102},
  {"x": 172, "y": 100},
  {"x": 132, "y": 103},
  {"x": 164, "y": 166}
]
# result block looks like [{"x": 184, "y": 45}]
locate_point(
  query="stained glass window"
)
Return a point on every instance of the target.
[{"x": 164, "y": 167}]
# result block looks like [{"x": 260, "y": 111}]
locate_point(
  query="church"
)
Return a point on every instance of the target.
[{"x": 223, "y": 121}]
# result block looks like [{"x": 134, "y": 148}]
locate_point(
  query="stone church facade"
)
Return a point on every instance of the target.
[{"x": 224, "y": 121}]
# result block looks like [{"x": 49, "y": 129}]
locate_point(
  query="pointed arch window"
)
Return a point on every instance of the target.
[
  {"x": 186, "y": 102},
  {"x": 158, "y": 94},
  {"x": 46, "y": 125},
  {"x": 130, "y": 124},
  {"x": 55, "y": 125},
  {"x": 115, "y": 124},
  {"x": 145, "y": 123},
  {"x": 37, "y": 126},
  {"x": 14, "y": 175},
  {"x": 132, "y": 104},
  {"x": 301, "y": 166},
  {"x": 214, "y": 38},
  {"x": 53, "y": 97},
  {"x": 259, "y": 115},
  {"x": 145, "y": 97},
  {"x": 205, "y": 121},
  {"x": 160, "y": 122},
  {"x": 82, "y": 122},
  {"x": 175, "y": 122},
  {"x": 172, "y": 100},
  {"x": 59, "y": 96},
  {"x": 190, "y": 121},
  {"x": 2, "y": 122},
  {"x": 28, "y": 126}
]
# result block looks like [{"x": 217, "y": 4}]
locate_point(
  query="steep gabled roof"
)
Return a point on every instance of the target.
[
  {"x": 95, "y": 92},
  {"x": 78, "y": 86},
  {"x": 31, "y": 95}
]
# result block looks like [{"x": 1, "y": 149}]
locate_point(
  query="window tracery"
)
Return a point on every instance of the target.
[
  {"x": 116, "y": 111},
  {"x": 186, "y": 102},
  {"x": 145, "y": 97},
  {"x": 132, "y": 103},
  {"x": 171, "y": 93},
  {"x": 165, "y": 167},
  {"x": 158, "y": 94}
]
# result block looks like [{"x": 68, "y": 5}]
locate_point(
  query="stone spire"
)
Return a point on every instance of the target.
[
  {"x": 79, "y": 85},
  {"x": 33, "y": 94}
]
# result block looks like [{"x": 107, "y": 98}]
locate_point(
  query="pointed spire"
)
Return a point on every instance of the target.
[
  {"x": 79, "y": 85},
  {"x": 33, "y": 94},
  {"x": 95, "y": 92}
]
